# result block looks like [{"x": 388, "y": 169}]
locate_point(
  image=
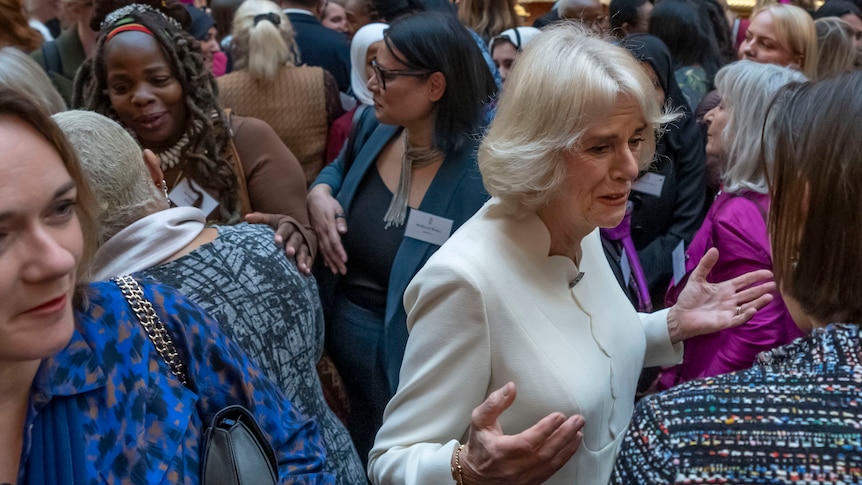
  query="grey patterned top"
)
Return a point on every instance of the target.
[{"x": 243, "y": 280}]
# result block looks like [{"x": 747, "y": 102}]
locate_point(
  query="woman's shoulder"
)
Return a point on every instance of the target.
[{"x": 743, "y": 206}]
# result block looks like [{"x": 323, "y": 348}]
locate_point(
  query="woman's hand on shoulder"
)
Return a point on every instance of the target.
[
  {"x": 704, "y": 307},
  {"x": 531, "y": 456},
  {"x": 287, "y": 235},
  {"x": 327, "y": 219}
]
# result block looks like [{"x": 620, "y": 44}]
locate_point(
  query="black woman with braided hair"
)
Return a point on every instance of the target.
[{"x": 149, "y": 75}]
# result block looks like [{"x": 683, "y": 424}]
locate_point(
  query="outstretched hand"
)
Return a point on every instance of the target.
[
  {"x": 704, "y": 307},
  {"x": 529, "y": 457}
]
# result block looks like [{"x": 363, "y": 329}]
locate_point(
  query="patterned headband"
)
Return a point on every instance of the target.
[{"x": 136, "y": 7}]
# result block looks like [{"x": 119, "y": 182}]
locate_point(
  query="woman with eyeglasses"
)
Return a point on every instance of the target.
[{"x": 404, "y": 182}]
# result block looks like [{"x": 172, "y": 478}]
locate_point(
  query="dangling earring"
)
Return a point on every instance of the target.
[{"x": 165, "y": 190}]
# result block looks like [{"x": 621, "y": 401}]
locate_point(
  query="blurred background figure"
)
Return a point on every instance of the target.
[
  {"x": 21, "y": 73},
  {"x": 684, "y": 27},
  {"x": 506, "y": 47},
  {"x": 363, "y": 51},
  {"x": 667, "y": 201},
  {"x": 317, "y": 45},
  {"x": 488, "y": 18},
  {"x": 298, "y": 102},
  {"x": 15, "y": 29},
  {"x": 334, "y": 16},
  {"x": 835, "y": 43},
  {"x": 850, "y": 13},
  {"x": 62, "y": 57},
  {"x": 223, "y": 12},
  {"x": 782, "y": 34},
  {"x": 358, "y": 14},
  {"x": 203, "y": 28},
  {"x": 44, "y": 16},
  {"x": 592, "y": 13},
  {"x": 629, "y": 17}
]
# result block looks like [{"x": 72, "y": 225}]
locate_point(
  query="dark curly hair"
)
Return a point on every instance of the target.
[{"x": 207, "y": 156}]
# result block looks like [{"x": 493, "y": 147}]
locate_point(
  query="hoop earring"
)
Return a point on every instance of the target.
[{"x": 165, "y": 190}]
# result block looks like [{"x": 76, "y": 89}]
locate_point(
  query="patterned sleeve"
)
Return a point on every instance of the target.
[
  {"x": 222, "y": 374},
  {"x": 645, "y": 456}
]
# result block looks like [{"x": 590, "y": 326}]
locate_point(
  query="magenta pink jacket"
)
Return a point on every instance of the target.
[{"x": 736, "y": 226}]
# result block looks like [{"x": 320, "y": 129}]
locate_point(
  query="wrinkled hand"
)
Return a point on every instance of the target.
[
  {"x": 704, "y": 307},
  {"x": 322, "y": 211},
  {"x": 287, "y": 235},
  {"x": 529, "y": 457}
]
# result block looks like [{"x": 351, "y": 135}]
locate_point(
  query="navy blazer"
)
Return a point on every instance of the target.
[
  {"x": 455, "y": 193},
  {"x": 322, "y": 47}
]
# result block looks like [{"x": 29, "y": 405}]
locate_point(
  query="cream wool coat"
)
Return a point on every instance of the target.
[{"x": 490, "y": 307}]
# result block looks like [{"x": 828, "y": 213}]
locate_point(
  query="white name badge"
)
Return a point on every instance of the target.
[
  {"x": 678, "y": 256},
  {"x": 188, "y": 193},
  {"x": 650, "y": 183},
  {"x": 626, "y": 268},
  {"x": 428, "y": 227}
]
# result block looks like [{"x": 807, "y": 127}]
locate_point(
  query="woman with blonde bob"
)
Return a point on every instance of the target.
[
  {"x": 782, "y": 34},
  {"x": 836, "y": 51},
  {"x": 521, "y": 300},
  {"x": 299, "y": 102}
]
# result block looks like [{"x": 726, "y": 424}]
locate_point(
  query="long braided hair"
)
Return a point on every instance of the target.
[{"x": 207, "y": 156}]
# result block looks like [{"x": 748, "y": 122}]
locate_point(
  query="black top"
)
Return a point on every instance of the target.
[{"x": 371, "y": 249}]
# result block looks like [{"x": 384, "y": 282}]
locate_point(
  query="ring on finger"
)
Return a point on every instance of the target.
[
  {"x": 340, "y": 215},
  {"x": 738, "y": 310}
]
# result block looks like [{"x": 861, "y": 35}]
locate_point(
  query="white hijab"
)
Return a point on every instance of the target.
[{"x": 362, "y": 40}]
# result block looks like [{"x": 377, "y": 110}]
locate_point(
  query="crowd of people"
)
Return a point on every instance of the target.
[{"x": 423, "y": 242}]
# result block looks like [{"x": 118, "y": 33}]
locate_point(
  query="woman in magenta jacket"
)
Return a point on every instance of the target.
[{"x": 736, "y": 222}]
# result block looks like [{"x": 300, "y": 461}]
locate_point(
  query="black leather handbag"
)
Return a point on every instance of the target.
[{"x": 234, "y": 450}]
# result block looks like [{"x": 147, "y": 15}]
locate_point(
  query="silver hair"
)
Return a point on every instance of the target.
[
  {"x": 113, "y": 166},
  {"x": 747, "y": 88},
  {"x": 562, "y": 82},
  {"x": 23, "y": 74}
]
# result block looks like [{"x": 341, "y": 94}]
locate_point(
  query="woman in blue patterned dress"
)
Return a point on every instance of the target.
[
  {"x": 84, "y": 396},
  {"x": 793, "y": 417}
]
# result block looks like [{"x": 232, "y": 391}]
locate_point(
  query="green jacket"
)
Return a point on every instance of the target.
[{"x": 71, "y": 57}]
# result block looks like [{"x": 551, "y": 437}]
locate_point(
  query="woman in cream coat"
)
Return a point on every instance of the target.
[{"x": 522, "y": 294}]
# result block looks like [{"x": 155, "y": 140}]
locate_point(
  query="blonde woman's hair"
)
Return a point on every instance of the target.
[
  {"x": 264, "y": 45},
  {"x": 114, "y": 168},
  {"x": 24, "y": 74},
  {"x": 565, "y": 80},
  {"x": 488, "y": 18},
  {"x": 835, "y": 45},
  {"x": 795, "y": 31}
]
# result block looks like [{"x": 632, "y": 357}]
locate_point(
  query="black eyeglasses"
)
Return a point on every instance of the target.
[{"x": 388, "y": 75}]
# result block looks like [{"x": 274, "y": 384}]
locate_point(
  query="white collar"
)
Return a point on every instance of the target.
[{"x": 147, "y": 242}]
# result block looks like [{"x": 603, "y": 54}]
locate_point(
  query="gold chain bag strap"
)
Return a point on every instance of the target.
[
  {"x": 156, "y": 331},
  {"x": 234, "y": 450}
]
